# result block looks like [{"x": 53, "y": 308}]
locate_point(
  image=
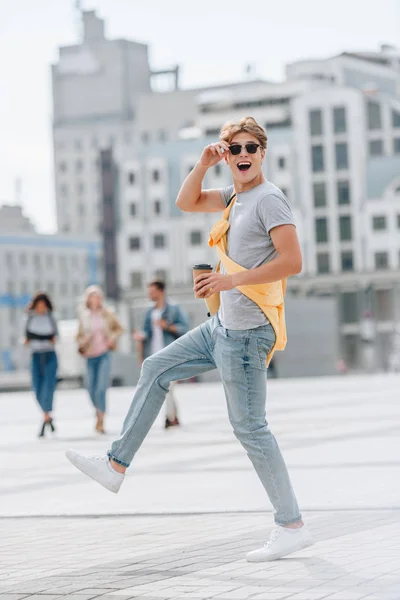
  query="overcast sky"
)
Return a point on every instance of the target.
[{"x": 211, "y": 39}]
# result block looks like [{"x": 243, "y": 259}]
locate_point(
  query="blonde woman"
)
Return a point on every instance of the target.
[{"x": 99, "y": 330}]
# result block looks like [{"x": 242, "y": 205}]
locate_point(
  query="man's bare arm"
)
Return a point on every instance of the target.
[
  {"x": 191, "y": 197},
  {"x": 287, "y": 263}
]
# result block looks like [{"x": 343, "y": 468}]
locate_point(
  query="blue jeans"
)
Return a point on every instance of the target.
[
  {"x": 98, "y": 379},
  {"x": 44, "y": 378},
  {"x": 240, "y": 357}
]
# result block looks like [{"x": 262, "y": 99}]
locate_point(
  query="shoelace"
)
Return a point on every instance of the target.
[{"x": 275, "y": 534}]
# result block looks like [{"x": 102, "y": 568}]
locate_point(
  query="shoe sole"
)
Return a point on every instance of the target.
[
  {"x": 77, "y": 466},
  {"x": 278, "y": 555}
]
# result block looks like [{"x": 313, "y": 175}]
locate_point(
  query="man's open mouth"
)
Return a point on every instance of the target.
[{"x": 244, "y": 165}]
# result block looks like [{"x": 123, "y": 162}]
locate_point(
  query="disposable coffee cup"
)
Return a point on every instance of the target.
[{"x": 198, "y": 270}]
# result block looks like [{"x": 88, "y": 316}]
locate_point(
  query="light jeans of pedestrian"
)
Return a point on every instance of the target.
[
  {"x": 44, "y": 378},
  {"x": 240, "y": 357},
  {"x": 98, "y": 379}
]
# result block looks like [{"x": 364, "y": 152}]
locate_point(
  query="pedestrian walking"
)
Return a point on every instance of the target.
[
  {"x": 40, "y": 333},
  {"x": 258, "y": 249},
  {"x": 99, "y": 330},
  {"x": 164, "y": 322}
]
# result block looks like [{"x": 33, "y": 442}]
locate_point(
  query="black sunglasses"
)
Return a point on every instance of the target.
[{"x": 250, "y": 148}]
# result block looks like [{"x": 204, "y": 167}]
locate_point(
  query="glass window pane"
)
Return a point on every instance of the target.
[
  {"x": 395, "y": 118},
  {"x": 195, "y": 238},
  {"x": 374, "y": 115},
  {"x": 347, "y": 261},
  {"x": 396, "y": 145},
  {"x": 379, "y": 222},
  {"x": 321, "y": 230},
  {"x": 341, "y": 156},
  {"x": 319, "y": 193},
  {"x": 134, "y": 243},
  {"x": 339, "y": 119},
  {"x": 345, "y": 228},
  {"x": 381, "y": 260},
  {"x": 384, "y": 305},
  {"x": 317, "y": 157},
  {"x": 375, "y": 148},
  {"x": 349, "y": 307},
  {"x": 343, "y": 192},
  {"x": 136, "y": 279},
  {"x": 323, "y": 262},
  {"x": 159, "y": 240},
  {"x": 315, "y": 122}
]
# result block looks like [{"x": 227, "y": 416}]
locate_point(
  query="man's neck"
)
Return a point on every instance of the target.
[
  {"x": 245, "y": 187},
  {"x": 160, "y": 303}
]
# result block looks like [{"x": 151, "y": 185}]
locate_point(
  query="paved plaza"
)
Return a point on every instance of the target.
[{"x": 191, "y": 505}]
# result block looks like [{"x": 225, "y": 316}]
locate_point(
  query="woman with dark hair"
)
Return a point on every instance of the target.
[{"x": 40, "y": 336}]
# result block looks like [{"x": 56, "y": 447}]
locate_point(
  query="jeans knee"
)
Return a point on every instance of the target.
[{"x": 151, "y": 370}]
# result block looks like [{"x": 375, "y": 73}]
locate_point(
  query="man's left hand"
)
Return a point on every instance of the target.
[
  {"x": 208, "y": 284},
  {"x": 163, "y": 324}
]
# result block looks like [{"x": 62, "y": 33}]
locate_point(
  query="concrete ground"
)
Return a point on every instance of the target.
[{"x": 191, "y": 505}]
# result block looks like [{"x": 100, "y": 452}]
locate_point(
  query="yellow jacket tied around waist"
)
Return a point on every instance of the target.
[{"x": 268, "y": 296}]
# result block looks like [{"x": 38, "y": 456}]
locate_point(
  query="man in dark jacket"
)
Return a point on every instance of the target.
[{"x": 164, "y": 323}]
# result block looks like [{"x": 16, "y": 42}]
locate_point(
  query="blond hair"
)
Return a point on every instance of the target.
[{"x": 248, "y": 125}]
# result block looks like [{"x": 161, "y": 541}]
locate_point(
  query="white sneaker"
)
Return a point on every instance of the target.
[
  {"x": 98, "y": 468},
  {"x": 282, "y": 541}
]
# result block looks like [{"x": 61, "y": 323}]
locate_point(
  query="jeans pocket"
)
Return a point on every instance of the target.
[{"x": 264, "y": 346}]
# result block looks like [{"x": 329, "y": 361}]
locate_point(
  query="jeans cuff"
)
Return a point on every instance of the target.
[
  {"x": 117, "y": 460},
  {"x": 282, "y": 523}
]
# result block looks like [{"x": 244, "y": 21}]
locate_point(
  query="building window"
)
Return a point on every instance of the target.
[
  {"x": 160, "y": 274},
  {"x": 218, "y": 170},
  {"x": 381, "y": 261},
  {"x": 339, "y": 119},
  {"x": 79, "y": 166},
  {"x": 63, "y": 190},
  {"x": 145, "y": 137},
  {"x": 396, "y": 145},
  {"x": 374, "y": 115},
  {"x": 323, "y": 263},
  {"x": 133, "y": 209},
  {"x": 345, "y": 228},
  {"x": 395, "y": 118},
  {"x": 49, "y": 261},
  {"x": 398, "y": 221},
  {"x": 319, "y": 193},
  {"x": 162, "y": 135},
  {"x": 315, "y": 122},
  {"x": 379, "y": 223},
  {"x": 62, "y": 261},
  {"x": 375, "y": 148},
  {"x": 63, "y": 289},
  {"x": 22, "y": 260},
  {"x": 341, "y": 156},
  {"x": 134, "y": 243},
  {"x": 80, "y": 188},
  {"x": 36, "y": 261},
  {"x": 62, "y": 167},
  {"x": 343, "y": 192},
  {"x": 281, "y": 162},
  {"x": 350, "y": 312},
  {"x": 157, "y": 207},
  {"x": 196, "y": 238},
  {"x": 136, "y": 279},
  {"x": 78, "y": 145},
  {"x": 347, "y": 261},
  {"x": 321, "y": 230},
  {"x": 159, "y": 240},
  {"x": 131, "y": 178},
  {"x": 156, "y": 175},
  {"x": 384, "y": 305},
  {"x": 317, "y": 157}
]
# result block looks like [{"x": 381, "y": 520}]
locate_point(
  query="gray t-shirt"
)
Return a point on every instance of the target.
[{"x": 251, "y": 219}]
